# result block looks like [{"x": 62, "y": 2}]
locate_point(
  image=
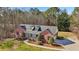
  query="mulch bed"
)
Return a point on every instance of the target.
[{"x": 48, "y": 45}]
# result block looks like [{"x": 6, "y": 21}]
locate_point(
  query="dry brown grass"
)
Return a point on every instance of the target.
[{"x": 66, "y": 34}]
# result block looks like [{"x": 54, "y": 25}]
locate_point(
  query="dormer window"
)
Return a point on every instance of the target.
[
  {"x": 39, "y": 29},
  {"x": 33, "y": 28}
]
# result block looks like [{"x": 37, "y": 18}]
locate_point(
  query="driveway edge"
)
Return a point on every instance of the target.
[{"x": 42, "y": 46}]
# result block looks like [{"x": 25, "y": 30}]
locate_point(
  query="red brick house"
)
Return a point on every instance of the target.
[
  {"x": 32, "y": 31},
  {"x": 47, "y": 33}
]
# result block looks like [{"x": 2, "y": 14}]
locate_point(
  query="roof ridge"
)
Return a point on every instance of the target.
[{"x": 49, "y": 30}]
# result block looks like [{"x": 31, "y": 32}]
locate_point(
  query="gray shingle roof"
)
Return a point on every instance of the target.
[{"x": 53, "y": 29}]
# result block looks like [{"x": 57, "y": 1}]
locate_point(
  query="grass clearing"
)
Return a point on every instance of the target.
[
  {"x": 66, "y": 34},
  {"x": 15, "y": 45}
]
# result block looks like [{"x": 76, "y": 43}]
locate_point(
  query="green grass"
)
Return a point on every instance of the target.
[
  {"x": 25, "y": 47},
  {"x": 15, "y": 45}
]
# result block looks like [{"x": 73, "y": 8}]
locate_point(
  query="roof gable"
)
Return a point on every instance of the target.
[
  {"x": 19, "y": 29},
  {"x": 47, "y": 31}
]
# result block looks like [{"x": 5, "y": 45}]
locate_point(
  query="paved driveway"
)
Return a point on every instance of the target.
[{"x": 72, "y": 47}]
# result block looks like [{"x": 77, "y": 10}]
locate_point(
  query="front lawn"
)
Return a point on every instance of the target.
[{"x": 15, "y": 45}]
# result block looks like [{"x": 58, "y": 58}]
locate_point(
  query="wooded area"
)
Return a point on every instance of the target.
[{"x": 54, "y": 16}]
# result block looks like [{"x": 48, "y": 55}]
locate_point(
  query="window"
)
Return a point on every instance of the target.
[
  {"x": 42, "y": 36},
  {"x": 36, "y": 35},
  {"x": 39, "y": 29},
  {"x": 33, "y": 28}
]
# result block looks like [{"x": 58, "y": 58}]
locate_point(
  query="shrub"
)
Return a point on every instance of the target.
[
  {"x": 51, "y": 40},
  {"x": 39, "y": 37},
  {"x": 60, "y": 38}
]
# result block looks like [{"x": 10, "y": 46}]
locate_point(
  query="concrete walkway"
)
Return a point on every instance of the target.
[{"x": 42, "y": 46}]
